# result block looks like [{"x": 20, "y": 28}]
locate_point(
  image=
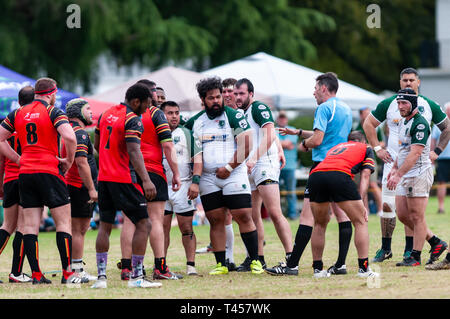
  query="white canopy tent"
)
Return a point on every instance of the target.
[{"x": 289, "y": 85}]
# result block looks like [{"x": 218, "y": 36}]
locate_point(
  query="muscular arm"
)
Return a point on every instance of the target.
[
  {"x": 137, "y": 160},
  {"x": 85, "y": 172},
  {"x": 445, "y": 134},
  {"x": 410, "y": 160},
  {"x": 315, "y": 139},
  {"x": 268, "y": 138},
  {"x": 171, "y": 157},
  {"x": 364, "y": 183},
  {"x": 70, "y": 142},
  {"x": 370, "y": 129}
]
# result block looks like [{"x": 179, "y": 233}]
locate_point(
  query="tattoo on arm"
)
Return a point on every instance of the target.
[{"x": 445, "y": 133}]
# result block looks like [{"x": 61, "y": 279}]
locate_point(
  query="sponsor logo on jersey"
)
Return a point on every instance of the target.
[
  {"x": 176, "y": 139},
  {"x": 239, "y": 115},
  {"x": 30, "y": 116},
  {"x": 222, "y": 123},
  {"x": 420, "y": 127},
  {"x": 212, "y": 137},
  {"x": 262, "y": 107},
  {"x": 265, "y": 115},
  {"x": 243, "y": 124},
  {"x": 420, "y": 135},
  {"x": 111, "y": 118},
  {"x": 421, "y": 109}
]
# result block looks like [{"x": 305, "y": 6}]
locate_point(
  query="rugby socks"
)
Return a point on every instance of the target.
[
  {"x": 363, "y": 264},
  {"x": 433, "y": 241},
  {"x": 229, "y": 243},
  {"x": 18, "y": 254},
  {"x": 261, "y": 259},
  {"x": 4, "y": 237},
  {"x": 190, "y": 263},
  {"x": 64, "y": 244},
  {"x": 416, "y": 254},
  {"x": 345, "y": 236},
  {"x": 317, "y": 264},
  {"x": 31, "y": 247},
  {"x": 409, "y": 243},
  {"x": 386, "y": 243},
  {"x": 220, "y": 257},
  {"x": 137, "y": 262},
  {"x": 126, "y": 263},
  {"x": 301, "y": 240},
  {"x": 102, "y": 261},
  {"x": 250, "y": 240},
  {"x": 160, "y": 264},
  {"x": 77, "y": 265},
  {"x": 447, "y": 257}
]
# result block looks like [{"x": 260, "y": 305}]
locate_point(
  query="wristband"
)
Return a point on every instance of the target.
[
  {"x": 300, "y": 131},
  {"x": 229, "y": 168},
  {"x": 196, "y": 179},
  {"x": 304, "y": 144},
  {"x": 377, "y": 148},
  {"x": 438, "y": 151}
]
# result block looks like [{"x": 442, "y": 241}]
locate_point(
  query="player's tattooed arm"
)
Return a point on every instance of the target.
[{"x": 445, "y": 133}]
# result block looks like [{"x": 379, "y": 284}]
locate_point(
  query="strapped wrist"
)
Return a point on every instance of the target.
[{"x": 196, "y": 179}]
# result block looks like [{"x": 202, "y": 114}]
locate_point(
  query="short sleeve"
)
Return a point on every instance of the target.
[
  {"x": 8, "y": 122},
  {"x": 262, "y": 114},
  {"x": 161, "y": 125},
  {"x": 369, "y": 160},
  {"x": 321, "y": 118},
  {"x": 437, "y": 114},
  {"x": 82, "y": 143},
  {"x": 380, "y": 111},
  {"x": 420, "y": 132},
  {"x": 133, "y": 128},
  {"x": 58, "y": 117},
  {"x": 237, "y": 121}
]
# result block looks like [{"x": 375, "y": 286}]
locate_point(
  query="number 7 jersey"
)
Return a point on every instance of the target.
[{"x": 117, "y": 126}]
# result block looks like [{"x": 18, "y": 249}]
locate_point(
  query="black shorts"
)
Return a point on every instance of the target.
[
  {"x": 162, "y": 190},
  {"x": 443, "y": 170},
  {"x": 113, "y": 197},
  {"x": 216, "y": 200},
  {"x": 332, "y": 187},
  {"x": 79, "y": 206},
  {"x": 185, "y": 214},
  {"x": 41, "y": 189},
  {"x": 307, "y": 187},
  {"x": 11, "y": 193}
]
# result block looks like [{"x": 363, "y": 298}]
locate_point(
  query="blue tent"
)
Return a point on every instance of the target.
[{"x": 10, "y": 84}]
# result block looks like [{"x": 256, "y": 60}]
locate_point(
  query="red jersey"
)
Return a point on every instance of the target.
[
  {"x": 156, "y": 131},
  {"x": 11, "y": 168},
  {"x": 117, "y": 126},
  {"x": 349, "y": 157},
  {"x": 36, "y": 126},
  {"x": 84, "y": 149}
]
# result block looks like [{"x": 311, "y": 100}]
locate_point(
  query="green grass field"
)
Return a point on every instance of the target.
[{"x": 394, "y": 283}]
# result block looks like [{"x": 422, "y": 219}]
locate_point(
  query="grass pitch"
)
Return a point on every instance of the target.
[{"x": 394, "y": 283}]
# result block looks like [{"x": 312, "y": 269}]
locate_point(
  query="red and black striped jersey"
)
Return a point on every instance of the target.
[
  {"x": 349, "y": 157},
  {"x": 11, "y": 168},
  {"x": 36, "y": 126},
  {"x": 156, "y": 131},
  {"x": 117, "y": 126}
]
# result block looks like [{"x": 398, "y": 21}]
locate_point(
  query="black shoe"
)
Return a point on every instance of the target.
[
  {"x": 436, "y": 251},
  {"x": 245, "y": 266},
  {"x": 43, "y": 280},
  {"x": 409, "y": 262},
  {"x": 230, "y": 266},
  {"x": 333, "y": 270},
  {"x": 282, "y": 269}
]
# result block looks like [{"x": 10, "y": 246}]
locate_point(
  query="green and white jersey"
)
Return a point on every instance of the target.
[
  {"x": 258, "y": 115},
  {"x": 415, "y": 131},
  {"x": 186, "y": 147},
  {"x": 387, "y": 110},
  {"x": 218, "y": 137}
]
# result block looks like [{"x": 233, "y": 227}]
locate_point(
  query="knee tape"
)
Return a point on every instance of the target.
[
  {"x": 188, "y": 234},
  {"x": 389, "y": 201}
]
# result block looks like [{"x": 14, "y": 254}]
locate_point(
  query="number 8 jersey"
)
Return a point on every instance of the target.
[{"x": 36, "y": 125}]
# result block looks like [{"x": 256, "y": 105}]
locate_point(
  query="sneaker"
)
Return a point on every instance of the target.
[
  {"x": 381, "y": 255},
  {"x": 125, "y": 274},
  {"x": 142, "y": 282},
  {"x": 410, "y": 261},
  {"x": 333, "y": 270},
  {"x": 73, "y": 278},
  {"x": 191, "y": 271},
  {"x": 164, "y": 275},
  {"x": 19, "y": 279},
  {"x": 204, "y": 250},
  {"x": 219, "y": 270},
  {"x": 245, "y": 266},
  {"x": 41, "y": 280},
  {"x": 282, "y": 269},
  {"x": 367, "y": 273},
  {"x": 321, "y": 273},
  {"x": 436, "y": 251},
  {"x": 441, "y": 211},
  {"x": 86, "y": 276},
  {"x": 256, "y": 267},
  {"x": 100, "y": 283},
  {"x": 406, "y": 255},
  {"x": 231, "y": 266},
  {"x": 444, "y": 264}
]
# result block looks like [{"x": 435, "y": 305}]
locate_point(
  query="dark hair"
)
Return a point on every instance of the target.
[
  {"x": 44, "y": 84},
  {"x": 330, "y": 80},
  {"x": 357, "y": 136},
  {"x": 146, "y": 82},
  {"x": 160, "y": 88},
  {"x": 208, "y": 84},
  {"x": 229, "y": 82},
  {"x": 409, "y": 71},
  {"x": 137, "y": 91},
  {"x": 168, "y": 103},
  {"x": 26, "y": 95},
  {"x": 245, "y": 81}
]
